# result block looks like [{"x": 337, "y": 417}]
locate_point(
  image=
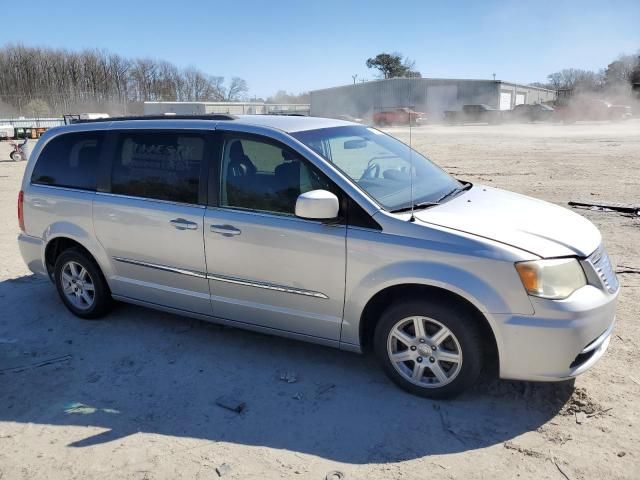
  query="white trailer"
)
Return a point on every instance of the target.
[
  {"x": 7, "y": 132},
  {"x": 93, "y": 116}
]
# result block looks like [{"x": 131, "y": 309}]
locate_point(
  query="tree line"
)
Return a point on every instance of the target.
[
  {"x": 621, "y": 75},
  {"x": 42, "y": 81}
]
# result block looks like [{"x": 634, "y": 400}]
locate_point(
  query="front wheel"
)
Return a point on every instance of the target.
[
  {"x": 429, "y": 349},
  {"x": 16, "y": 156}
]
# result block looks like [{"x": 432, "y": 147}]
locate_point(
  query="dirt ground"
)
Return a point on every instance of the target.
[{"x": 133, "y": 396}]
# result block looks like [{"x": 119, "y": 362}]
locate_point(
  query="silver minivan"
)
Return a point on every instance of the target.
[{"x": 321, "y": 230}]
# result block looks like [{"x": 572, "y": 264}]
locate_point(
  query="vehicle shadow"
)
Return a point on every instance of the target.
[{"x": 139, "y": 370}]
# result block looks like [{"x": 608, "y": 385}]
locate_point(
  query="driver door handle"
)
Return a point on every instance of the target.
[
  {"x": 226, "y": 230},
  {"x": 182, "y": 224}
]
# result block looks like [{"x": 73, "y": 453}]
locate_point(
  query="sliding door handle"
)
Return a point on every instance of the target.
[
  {"x": 182, "y": 224},
  {"x": 226, "y": 230}
]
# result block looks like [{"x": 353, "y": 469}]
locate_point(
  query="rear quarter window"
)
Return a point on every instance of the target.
[
  {"x": 70, "y": 160},
  {"x": 158, "y": 165}
]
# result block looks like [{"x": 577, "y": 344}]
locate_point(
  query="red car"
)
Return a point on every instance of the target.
[{"x": 398, "y": 116}]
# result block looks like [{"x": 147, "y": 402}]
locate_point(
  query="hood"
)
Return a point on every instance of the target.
[{"x": 532, "y": 225}]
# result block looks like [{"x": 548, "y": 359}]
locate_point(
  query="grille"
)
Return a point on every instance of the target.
[{"x": 599, "y": 260}]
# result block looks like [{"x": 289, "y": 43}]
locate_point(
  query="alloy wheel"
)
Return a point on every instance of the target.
[
  {"x": 77, "y": 285},
  {"x": 424, "y": 351}
]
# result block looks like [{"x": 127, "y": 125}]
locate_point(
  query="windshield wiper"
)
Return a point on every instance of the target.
[
  {"x": 420, "y": 205},
  {"x": 417, "y": 206},
  {"x": 455, "y": 191}
]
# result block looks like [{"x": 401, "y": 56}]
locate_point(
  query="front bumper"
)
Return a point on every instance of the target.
[
  {"x": 31, "y": 249},
  {"x": 563, "y": 339}
]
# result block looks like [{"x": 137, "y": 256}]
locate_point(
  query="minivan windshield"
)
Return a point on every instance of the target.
[{"x": 382, "y": 165}]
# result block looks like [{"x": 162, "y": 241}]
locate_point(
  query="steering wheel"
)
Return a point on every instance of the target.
[{"x": 372, "y": 170}]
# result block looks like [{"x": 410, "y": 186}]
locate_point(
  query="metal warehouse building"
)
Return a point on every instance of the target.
[
  {"x": 234, "y": 108},
  {"x": 430, "y": 95}
]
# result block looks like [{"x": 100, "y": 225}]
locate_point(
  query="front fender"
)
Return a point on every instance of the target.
[{"x": 495, "y": 294}]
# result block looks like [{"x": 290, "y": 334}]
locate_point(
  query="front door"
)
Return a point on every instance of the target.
[
  {"x": 266, "y": 266},
  {"x": 151, "y": 223}
]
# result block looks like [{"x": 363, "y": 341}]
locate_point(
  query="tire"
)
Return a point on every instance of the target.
[
  {"x": 463, "y": 341},
  {"x": 15, "y": 156},
  {"x": 70, "y": 278}
]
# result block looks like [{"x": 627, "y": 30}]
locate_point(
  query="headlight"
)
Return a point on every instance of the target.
[{"x": 553, "y": 278}]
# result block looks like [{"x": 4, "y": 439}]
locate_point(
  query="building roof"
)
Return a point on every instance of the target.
[
  {"x": 434, "y": 80},
  {"x": 220, "y": 103}
]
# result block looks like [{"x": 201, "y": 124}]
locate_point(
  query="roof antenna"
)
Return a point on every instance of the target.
[{"x": 410, "y": 90}]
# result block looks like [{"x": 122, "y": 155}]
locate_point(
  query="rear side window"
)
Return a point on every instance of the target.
[
  {"x": 158, "y": 165},
  {"x": 70, "y": 160}
]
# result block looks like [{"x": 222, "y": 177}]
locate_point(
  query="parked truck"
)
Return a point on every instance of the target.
[{"x": 524, "y": 112}]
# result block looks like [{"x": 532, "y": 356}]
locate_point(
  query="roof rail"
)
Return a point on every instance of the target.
[{"x": 212, "y": 116}]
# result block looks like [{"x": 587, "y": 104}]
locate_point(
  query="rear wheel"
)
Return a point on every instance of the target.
[
  {"x": 81, "y": 285},
  {"x": 429, "y": 349}
]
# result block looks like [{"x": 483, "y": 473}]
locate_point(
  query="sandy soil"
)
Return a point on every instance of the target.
[{"x": 133, "y": 396}]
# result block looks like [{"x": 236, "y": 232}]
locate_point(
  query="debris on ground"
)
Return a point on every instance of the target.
[
  {"x": 608, "y": 207},
  {"x": 322, "y": 389},
  {"x": 334, "y": 475},
  {"x": 525, "y": 451},
  {"x": 462, "y": 437},
  {"x": 599, "y": 412},
  {"x": 626, "y": 269},
  {"x": 564, "y": 474},
  {"x": 581, "y": 418},
  {"x": 82, "y": 409},
  {"x": 580, "y": 402},
  {"x": 289, "y": 377},
  {"x": 42, "y": 363},
  {"x": 297, "y": 396},
  {"x": 230, "y": 403},
  {"x": 554, "y": 435},
  {"x": 223, "y": 469}
]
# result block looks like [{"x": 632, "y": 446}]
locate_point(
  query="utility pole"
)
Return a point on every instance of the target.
[
  {"x": 494, "y": 77},
  {"x": 354, "y": 78}
]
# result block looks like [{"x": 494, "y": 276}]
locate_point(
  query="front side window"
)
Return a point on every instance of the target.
[
  {"x": 387, "y": 169},
  {"x": 262, "y": 176},
  {"x": 70, "y": 160},
  {"x": 158, "y": 165}
]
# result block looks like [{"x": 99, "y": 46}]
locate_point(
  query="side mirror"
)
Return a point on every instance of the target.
[{"x": 317, "y": 205}]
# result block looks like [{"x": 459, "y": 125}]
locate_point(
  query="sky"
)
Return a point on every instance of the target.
[{"x": 304, "y": 45}]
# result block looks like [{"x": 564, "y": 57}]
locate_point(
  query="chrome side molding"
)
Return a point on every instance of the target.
[
  {"x": 222, "y": 278},
  {"x": 267, "y": 286},
  {"x": 164, "y": 268}
]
